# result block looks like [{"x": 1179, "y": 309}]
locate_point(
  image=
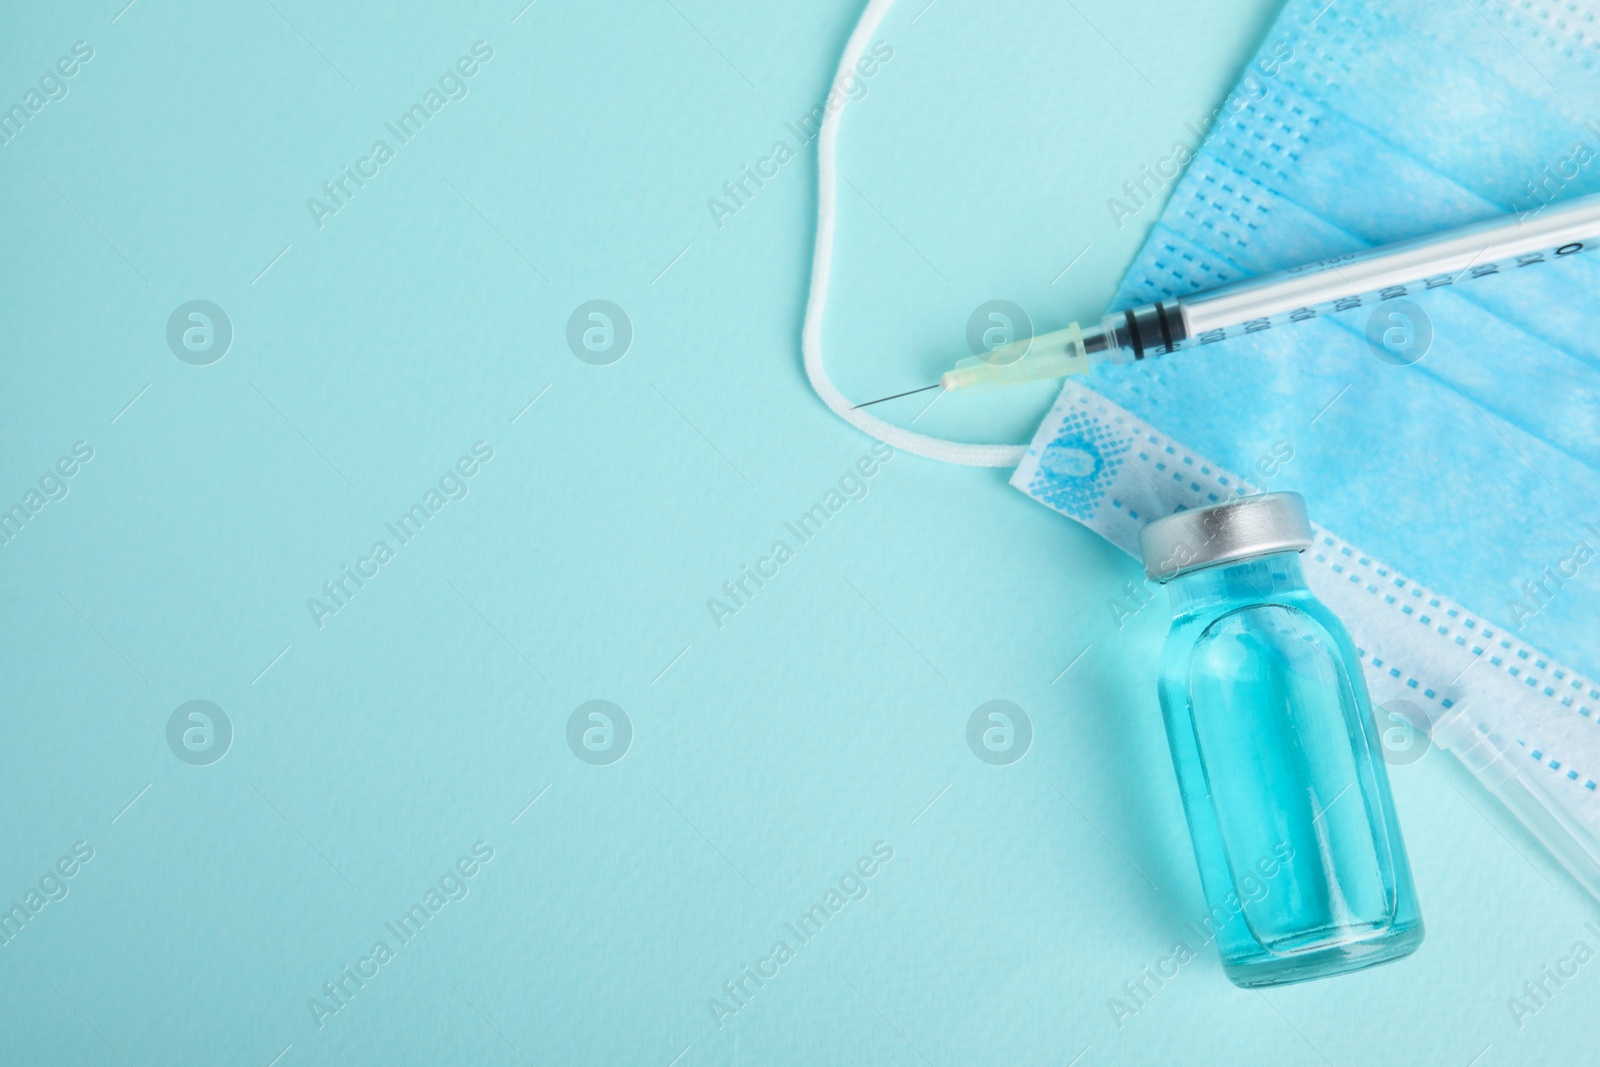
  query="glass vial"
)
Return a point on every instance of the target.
[{"x": 1277, "y": 755}]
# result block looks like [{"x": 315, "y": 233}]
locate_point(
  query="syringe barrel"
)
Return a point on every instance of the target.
[{"x": 1496, "y": 246}]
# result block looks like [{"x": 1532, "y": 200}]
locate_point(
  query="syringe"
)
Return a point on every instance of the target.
[{"x": 1358, "y": 279}]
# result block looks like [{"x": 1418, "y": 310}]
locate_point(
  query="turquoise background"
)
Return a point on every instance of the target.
[{"x": 430, "y": 713}]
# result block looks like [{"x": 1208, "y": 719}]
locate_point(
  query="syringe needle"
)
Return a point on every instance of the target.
[
  {"x": 1032, "y": 359},
  {"x": 897, "y": 396}
]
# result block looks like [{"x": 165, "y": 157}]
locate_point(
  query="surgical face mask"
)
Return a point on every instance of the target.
[{"x": 1449, "y": 436}]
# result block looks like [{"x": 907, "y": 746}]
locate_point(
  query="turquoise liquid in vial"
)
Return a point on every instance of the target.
[{"x": 1277, "y": 754}]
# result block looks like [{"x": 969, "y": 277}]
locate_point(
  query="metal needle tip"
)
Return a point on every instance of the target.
[{"x": 897, "y": 396}]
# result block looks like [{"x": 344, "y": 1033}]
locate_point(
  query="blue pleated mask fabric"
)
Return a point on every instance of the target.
[{"x": 1458, "y": 496}]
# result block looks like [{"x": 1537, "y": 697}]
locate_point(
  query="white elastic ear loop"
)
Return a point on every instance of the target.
[{"x": 821, "y": 264}]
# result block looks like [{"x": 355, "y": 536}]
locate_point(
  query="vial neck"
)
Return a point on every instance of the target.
[{"x": 1244, "y": 579}]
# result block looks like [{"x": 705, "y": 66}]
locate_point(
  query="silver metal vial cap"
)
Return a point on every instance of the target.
[{"x": 1236, "y": 529}]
